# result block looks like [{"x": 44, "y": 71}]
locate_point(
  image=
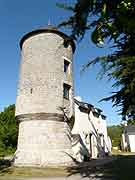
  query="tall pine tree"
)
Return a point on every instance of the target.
[{"x": 114, "y": 21}]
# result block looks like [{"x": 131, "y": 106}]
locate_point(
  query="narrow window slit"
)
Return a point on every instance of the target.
[{"x": 31, "y": 90}]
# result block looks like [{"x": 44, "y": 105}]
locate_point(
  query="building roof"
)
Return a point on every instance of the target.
[
  {"x": 50, "y": 29},
  {"x": 86, "y": 107},
  {"x": 130, "y": 129},
  {"x": 83, "y": 104}
]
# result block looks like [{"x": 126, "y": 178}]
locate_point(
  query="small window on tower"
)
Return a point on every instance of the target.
[
  {"x": 31, "y": 90},
  {"x": 66, "y": 89},
  {"x": 66, "y": 66}
]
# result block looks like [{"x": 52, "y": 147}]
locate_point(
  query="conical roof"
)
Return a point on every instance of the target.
[{"x": 51, "y": 29}]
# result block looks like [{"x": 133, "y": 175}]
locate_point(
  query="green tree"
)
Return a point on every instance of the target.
[
  {"x": 8, "y": 130},
  {"x": 115, "y": 133},
  {"x": 131, "y": 122},
  {"x": 111, "y": 21}
]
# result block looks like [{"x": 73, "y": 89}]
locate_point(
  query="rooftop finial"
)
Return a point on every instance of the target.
[{"x": 49, "y": 22}]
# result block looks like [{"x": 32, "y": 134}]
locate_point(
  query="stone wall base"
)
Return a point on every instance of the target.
[
  {"x": 41, "y": 159},
  {"x": 44, "y": 143}
]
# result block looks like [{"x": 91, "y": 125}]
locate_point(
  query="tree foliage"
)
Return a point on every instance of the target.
[
  {"x": 113, "y": 21},
  {"x": 115, "y": 133},
  {"x": 8, "y": 130},
  {"x": 131, "y": 122}
]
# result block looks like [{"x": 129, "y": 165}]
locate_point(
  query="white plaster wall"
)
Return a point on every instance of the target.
[
  {"x": 103, "y": 130},
  {"x": 132, "y": 142},
  {"x": 84, "y": 126},
  {"x": 123, "y": 142},
  {"x": 109, "y": 144},
  {"x": 77, "y": 149},
  {"x": 94, "y": 147},
  {"x": 82, "y": 123}
]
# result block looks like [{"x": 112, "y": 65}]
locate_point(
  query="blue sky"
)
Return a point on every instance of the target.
[{"x": 20, "y": 17}]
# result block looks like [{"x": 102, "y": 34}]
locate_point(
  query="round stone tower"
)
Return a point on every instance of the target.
[{"x": 45, "y": 99}]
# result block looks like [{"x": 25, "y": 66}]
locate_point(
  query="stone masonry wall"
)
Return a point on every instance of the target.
[
  {"x": 41, "y": 76},
  {"x": 44, "y": 138},
  {"x": 43, "y": 143}
]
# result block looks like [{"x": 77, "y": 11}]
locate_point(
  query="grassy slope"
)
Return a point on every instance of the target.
[{"x": 7, "y": 171}]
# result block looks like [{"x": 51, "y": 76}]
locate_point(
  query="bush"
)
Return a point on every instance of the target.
[{"x": 8, "y": 131}]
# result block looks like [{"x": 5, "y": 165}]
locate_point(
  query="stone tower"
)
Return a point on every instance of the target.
[{"x": 44, "y": 99}]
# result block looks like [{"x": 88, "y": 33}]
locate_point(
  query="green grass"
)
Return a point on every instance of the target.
[
  {"x": 117, "y": 152},
  {"x": 32, "y": 172},
  {"x": 9, "y": 172}
]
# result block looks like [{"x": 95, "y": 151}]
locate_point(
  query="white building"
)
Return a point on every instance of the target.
[
  {"x": 128, "y": 138},
  {"x": 90, "y": 139}
]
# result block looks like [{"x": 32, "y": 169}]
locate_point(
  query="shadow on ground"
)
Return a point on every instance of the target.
[
  {"x": 119, "y": 167},
  {"x": 5, "y": 167}
]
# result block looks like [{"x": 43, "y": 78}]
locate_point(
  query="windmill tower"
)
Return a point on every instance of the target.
[{"x": 44, "y": 97}]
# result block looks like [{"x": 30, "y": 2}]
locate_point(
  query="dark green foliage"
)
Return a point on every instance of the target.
[
  {"x": 8, "y": 130},
  {"x": 113, "y": 21},
  {"x": 115, "y": 133},
  {"x": 131, "y": 122}
]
